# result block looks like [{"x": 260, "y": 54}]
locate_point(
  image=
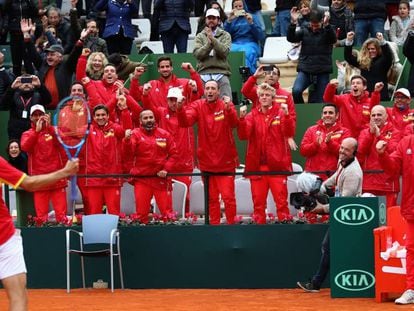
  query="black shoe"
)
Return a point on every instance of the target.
[{"x": 308, "y": 287}]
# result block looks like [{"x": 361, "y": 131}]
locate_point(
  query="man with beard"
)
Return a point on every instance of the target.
[
  {"x": 157, "y": 90},
  {"x": 211, "y": 49},
  {"x": 25, "y": 92},
  {"x": 45, "y": 155},
  {"x": 347, "y": 181},
  {"x": 379, "y": 129},
  {"x": 400, "y": 114},
  {"x": 154, "y": 155},
  {"x": 320, "y": 143},
  {"x": 216, "y": 152},
  {"x": 355, "y": 106},
  {"x": 102, "y": 153}
]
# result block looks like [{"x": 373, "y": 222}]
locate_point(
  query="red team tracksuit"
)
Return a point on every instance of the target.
[
  {"x": 46, "y": 155},
  {"x": 401, "y": 162},
  {"x": 399, "y": 119},
  {"x": 323, "y": 157},
  {"x": 216, "y": 151},
  {"x": 378, "y": 184},
  {"x": 152, "y": 151},
  {"x": 268, "y": 150},
  {"x": 355, "y": 113},
  {"x": 102, "y": 154}
]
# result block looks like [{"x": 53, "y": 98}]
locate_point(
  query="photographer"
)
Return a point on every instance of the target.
[
  {"x": 25, "y": 92},
  {"x": 347, "y": 182}
]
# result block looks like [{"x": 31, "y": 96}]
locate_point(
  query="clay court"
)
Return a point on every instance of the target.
[{"x": 205, "y": 299}]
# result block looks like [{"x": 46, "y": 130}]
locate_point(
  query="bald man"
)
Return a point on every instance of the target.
[
  {"x": 379, "y": 129},
  {"x": 347, "y": 181}
]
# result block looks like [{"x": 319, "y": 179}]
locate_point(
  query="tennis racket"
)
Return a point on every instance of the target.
[{"x": 71, "y": 123}]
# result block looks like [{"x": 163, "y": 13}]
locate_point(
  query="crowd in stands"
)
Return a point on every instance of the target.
[{"x": 63, "y": 48}]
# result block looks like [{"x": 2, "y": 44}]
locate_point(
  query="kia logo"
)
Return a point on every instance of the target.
[
  {"x": 354, "y": 214},
  {"x": 354, "y": 280}
]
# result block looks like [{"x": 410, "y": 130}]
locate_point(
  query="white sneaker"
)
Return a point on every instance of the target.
[{"x": 406, "y": 298}]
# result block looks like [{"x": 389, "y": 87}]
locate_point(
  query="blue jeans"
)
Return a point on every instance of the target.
[
  {"x": 175, "y": 36},
  {"x": 303, "y": 81},
  {"x": 324, "y": 264},
  {"x": 281, "y": 23},
  {"x": 368, "y": 28}
]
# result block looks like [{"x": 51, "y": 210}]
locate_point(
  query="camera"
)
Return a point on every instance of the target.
[
  {"x": 239, "y": 13},
  {"x": 26, "y": 79},
  {"x": 307, "y": 200}
]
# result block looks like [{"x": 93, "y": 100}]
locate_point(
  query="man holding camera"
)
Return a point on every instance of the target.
[{"x": 347, "y": 182}]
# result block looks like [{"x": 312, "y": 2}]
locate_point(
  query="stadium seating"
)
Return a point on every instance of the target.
[
  {"x": 275, "y": 50},
  {"x": 144, "y": 29}
]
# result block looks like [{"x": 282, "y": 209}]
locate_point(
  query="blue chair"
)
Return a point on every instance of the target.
[{"x": 96, "y": 229}]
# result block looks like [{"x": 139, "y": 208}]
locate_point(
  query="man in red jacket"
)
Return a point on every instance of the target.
[
  {"x": 216, "y": 147},
  {"x": 158, "y": 89},
  {"x": 12, "y": 265},
  {"x": 267, "y": 129},
  {"x": 400, "y": 114},
  {"x": 45, "y": 155},
  {"x": 379, "y": 129},
  {"x": 400, "y": 161},
  {"x": 102, "y": 154},
  {"x": 154, "y": 154},
  {"x": 321, "y": 142},
  {"x": 354, "y": 107}
]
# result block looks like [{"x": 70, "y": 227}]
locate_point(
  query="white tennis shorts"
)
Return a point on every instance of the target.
[{"x": 11, "y": 257}]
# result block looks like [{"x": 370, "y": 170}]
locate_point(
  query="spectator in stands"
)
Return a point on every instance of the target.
[
  {"x": 25, "y": 92},
  {"x": 320, "y": 143},
  {"x": 408, "y": 51},
  {"x": 315, "y": 59},
  {"x": 47, "y": 39},
  {"x": 254, "y": 7},
  {"x": 119, "y": 32},
  {"x": 92, "y": 41},
  {"x": 246, "y": 33},
  {"x": 63, "y": 29},
  {"x": 282, "y": 18},
  {"x": 341, "y": 17},
  {"x": 347, "y": 181},
  {"x": 267, "y": 130},
  {"x": 355, "y": 107},
  {"x": 158, "y": 89},
  {"x": 374, "y": 60},
  {"x": 146, "y": 7},
  {"x": 91, "y": 65},
  {"x": 15, "y": 12},
  {"x": 216, "y": 152},
  {"x": 166, "y": 118},
  {"x": 200, "y": 6},
  {"x": 174, "y": 23},
  {"x": 400, "y": 115},
  {"x": 16, "y": 156},
  {"x": 379, "y": 129},
  {"x": 124, "y": 66},
  {"x": 45, "y": 155},
  {"x": 154, "y": 153},
  {"x": 56, "y": 71},
  {"x": 102, "y": 153},
  {"x": 304, "y": 13},
  {"x": 6, "y": 78},
  {"x": 392, "y": 9},
  {"x": 202, "y": 20},
  {"x": 369, "y": 19},
  {"x": 345, "y": 72},
  {"x": 401, "y": 24},
  {"x": 211, "y": 49}
]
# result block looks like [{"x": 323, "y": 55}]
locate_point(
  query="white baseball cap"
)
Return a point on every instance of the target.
[
  {"x": 213, "y": 12},
  {"x": 404, "y": 92},
  {"x": 36, "y": 108},
  {"x": 174, "y": 92}
]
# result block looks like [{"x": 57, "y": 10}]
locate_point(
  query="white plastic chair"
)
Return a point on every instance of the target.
[
  {"x": 197, "y": 198},
  {"x": 144, "y": 32},
  {"x": 244, "y": 201},
  {"x": 96, "y": 229},
  {"x": 155, "y": 46},
  {"x": 127, "y": 199},
  {"x": 194, "y": 26},
  {"x": 275, "y": 50}
]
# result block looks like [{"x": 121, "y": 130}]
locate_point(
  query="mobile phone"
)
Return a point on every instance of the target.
[
  {"x": 268, "y": 68},
  {"x": 239, "y": 13},
  {"x": 26, "y": 79}
]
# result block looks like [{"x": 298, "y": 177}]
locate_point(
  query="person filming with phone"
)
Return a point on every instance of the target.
[{"x": 25, "y": 92}]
